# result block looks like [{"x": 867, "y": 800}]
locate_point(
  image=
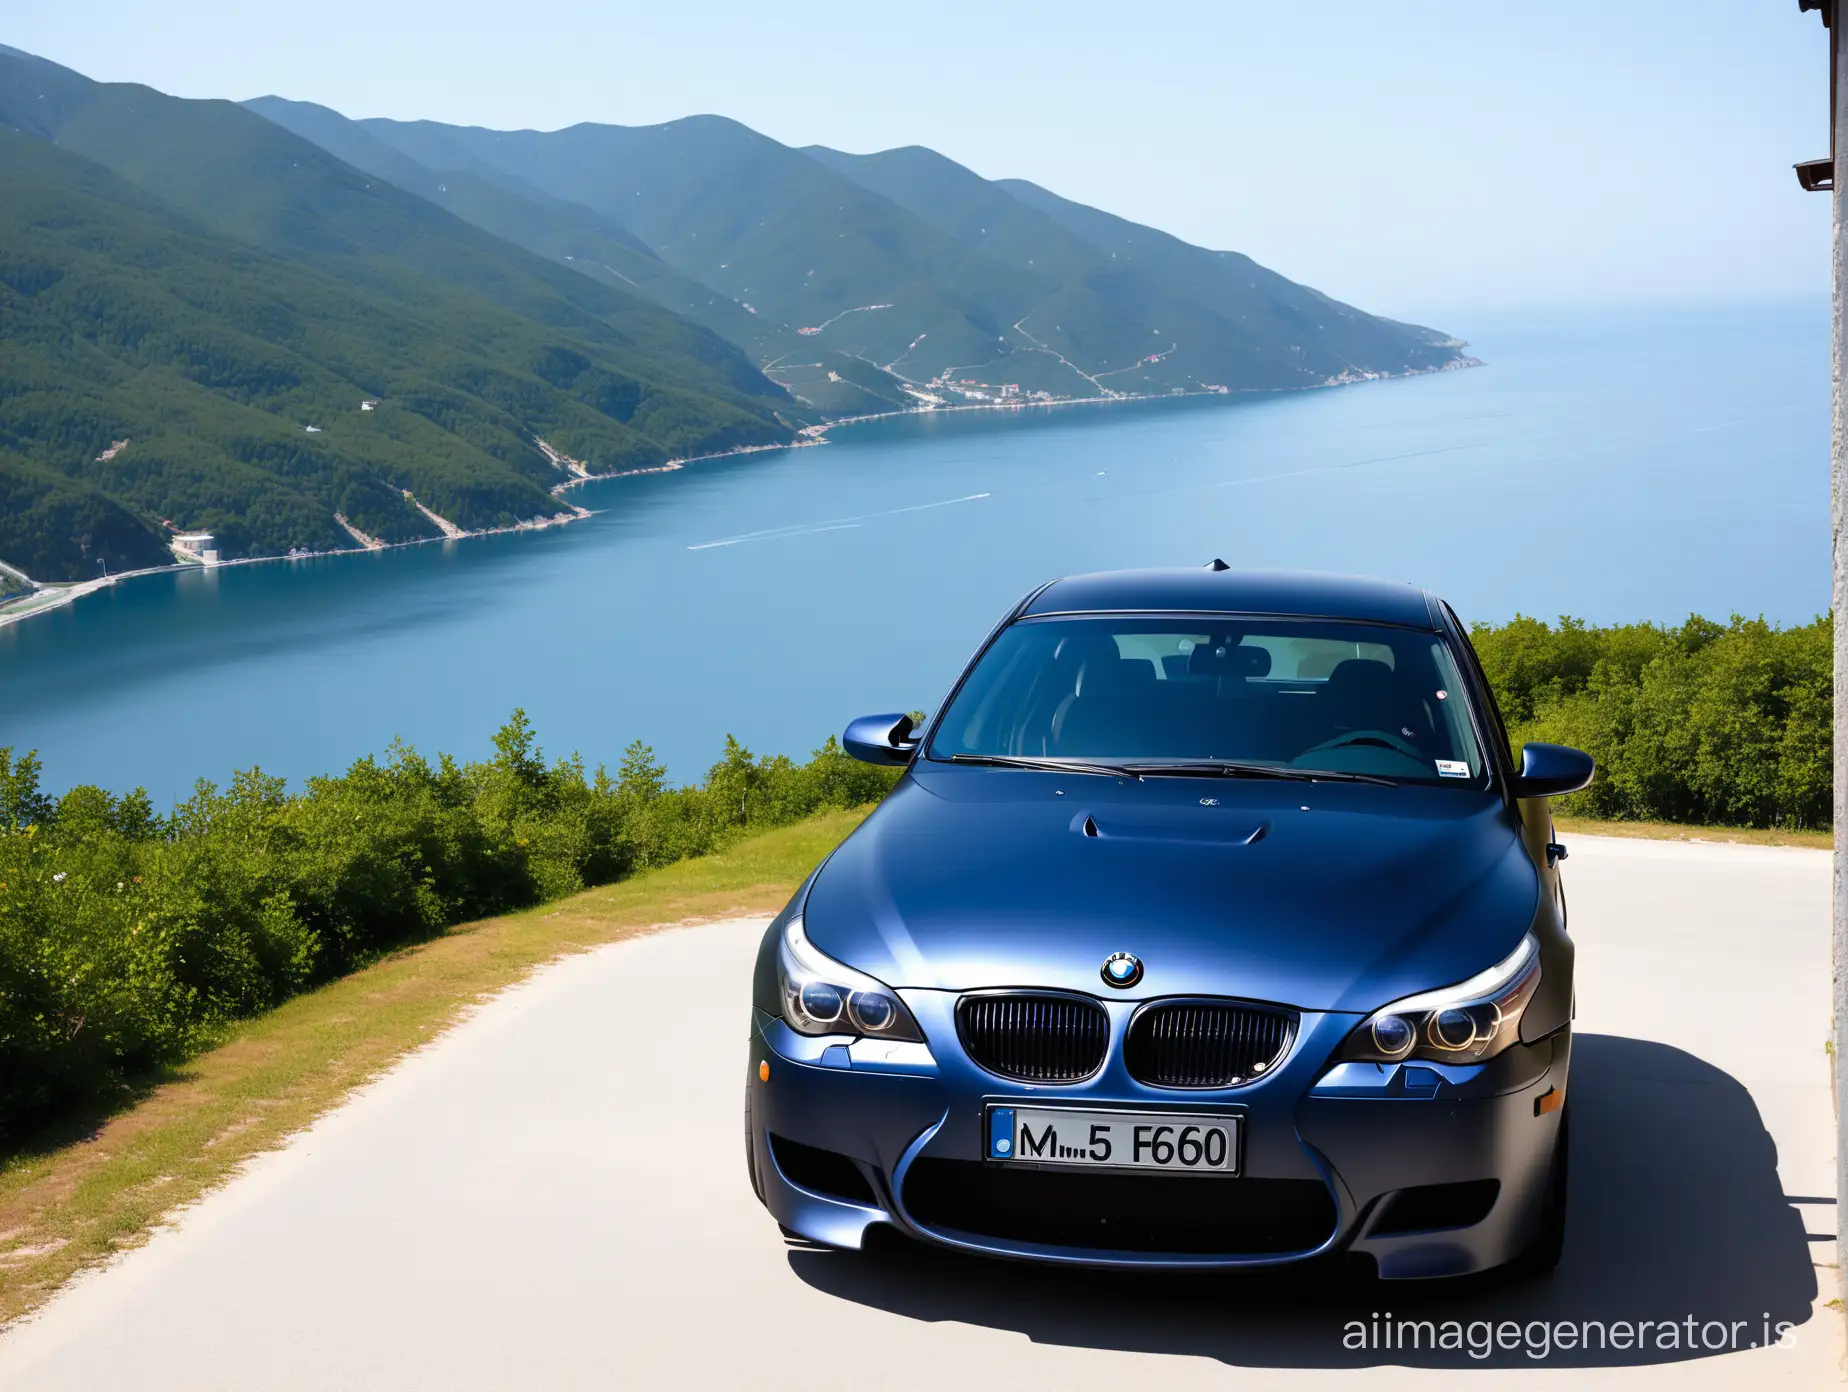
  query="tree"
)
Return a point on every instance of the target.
[{"x": 21, "y": 803}]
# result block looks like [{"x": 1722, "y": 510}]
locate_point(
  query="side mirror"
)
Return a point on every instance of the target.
[
  {"x": 881, "y": 739},
  {"x": 1547, "y": 770}
]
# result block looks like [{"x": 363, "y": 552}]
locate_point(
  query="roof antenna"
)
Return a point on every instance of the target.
[{"x": 1216, "y": 565}]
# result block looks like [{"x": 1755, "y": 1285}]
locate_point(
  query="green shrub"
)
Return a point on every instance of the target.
[
  {"x": 1699, "y": 723},
  {"x": 130, "y": 940}
]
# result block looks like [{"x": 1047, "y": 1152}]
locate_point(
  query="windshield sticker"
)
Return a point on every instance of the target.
[{"x": 1451, "y": 768}]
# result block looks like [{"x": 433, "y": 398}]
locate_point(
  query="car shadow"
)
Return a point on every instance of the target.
[{"x": 1675, "y": 1211}]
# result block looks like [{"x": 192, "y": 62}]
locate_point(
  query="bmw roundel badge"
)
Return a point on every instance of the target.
[{"x": 1122, "y": 969}]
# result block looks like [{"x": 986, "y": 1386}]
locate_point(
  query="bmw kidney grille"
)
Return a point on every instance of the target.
[
  {"x": 1034, "y": 1038},
  {"x": 1206, "y": 1044}
]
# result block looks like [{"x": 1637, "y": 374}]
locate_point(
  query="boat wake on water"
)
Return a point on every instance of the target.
[{"x": 837, "y": 524}]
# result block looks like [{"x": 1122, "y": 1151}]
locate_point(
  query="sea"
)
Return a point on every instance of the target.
[{"x": 1611, "y": 464}]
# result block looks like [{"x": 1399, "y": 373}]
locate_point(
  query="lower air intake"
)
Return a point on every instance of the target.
[
  {"x": 1434, "y": 1207},
  {"x": 823, "y": 1172},
  {"x": 1191, "y": 1215}
]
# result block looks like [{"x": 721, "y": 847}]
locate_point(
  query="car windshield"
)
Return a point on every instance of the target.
[{"x": 1350, "y": 698}]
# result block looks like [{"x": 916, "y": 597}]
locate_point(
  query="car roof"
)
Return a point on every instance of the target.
[{"x": 1205, "y": 590}]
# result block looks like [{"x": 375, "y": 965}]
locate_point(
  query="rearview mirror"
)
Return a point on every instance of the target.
[
  {"x": 1547, "y": 770},
  {"x": 881, "y": 739}
]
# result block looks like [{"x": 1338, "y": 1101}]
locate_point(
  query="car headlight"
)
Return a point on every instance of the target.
[
  {"x": 1465, "y": 1023},
  {"x": 823, "y": 996}
]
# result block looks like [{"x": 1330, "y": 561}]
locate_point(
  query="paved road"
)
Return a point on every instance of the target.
[{"x": 553, "y": 1197}]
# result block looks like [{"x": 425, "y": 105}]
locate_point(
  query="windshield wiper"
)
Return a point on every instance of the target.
[
  {"x": 1045, "y": 765},
  {"x": 1222, "y": 768}
]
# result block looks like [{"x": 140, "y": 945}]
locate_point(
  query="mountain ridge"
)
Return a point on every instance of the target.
[
  {"x": 575, "y": 235},
  {"x": 251, "y": 293},
  {"x": 383, "y": 331},
  {"x": 1057, "y": 312}
]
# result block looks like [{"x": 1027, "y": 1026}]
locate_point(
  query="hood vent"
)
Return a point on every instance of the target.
[{"x": 1185, "y": 825}]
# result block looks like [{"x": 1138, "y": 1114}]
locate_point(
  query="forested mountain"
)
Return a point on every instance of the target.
[
  {"x": 510, "y": 207},
  {"x": 293, "y": 329},
  {"x": 830, "y": 277},
  {"x": 1151, "y": 311},
  {"x": 909, "y": 264},
  {"x": 223, "y": 296}
]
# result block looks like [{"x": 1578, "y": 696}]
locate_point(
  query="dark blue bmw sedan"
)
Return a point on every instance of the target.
[{"x": 1210, "y": 924}]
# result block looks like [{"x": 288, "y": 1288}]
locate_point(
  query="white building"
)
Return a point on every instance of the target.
[{"x": 197, "y": 546}]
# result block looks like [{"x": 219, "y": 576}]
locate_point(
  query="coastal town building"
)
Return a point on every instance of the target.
[{"x": 197, "y": 546}]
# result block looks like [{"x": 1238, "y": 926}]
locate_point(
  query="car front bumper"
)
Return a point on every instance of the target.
[{"x": 1328, "y": 1155}]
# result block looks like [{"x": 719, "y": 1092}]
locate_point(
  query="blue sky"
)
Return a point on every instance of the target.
[{"x": 1415, "y": 158}]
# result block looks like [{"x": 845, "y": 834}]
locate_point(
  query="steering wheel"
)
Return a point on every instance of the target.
[{"x": 1377, "y": 739}]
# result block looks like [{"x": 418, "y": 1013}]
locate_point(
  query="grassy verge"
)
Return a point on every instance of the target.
[
  {"x": 1670, "y": 831},
  {"x": 73, "y": 1204}
]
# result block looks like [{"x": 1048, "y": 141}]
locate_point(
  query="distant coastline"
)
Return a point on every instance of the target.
[
  {"x": 818, "y": 434},
  {"x": 44, "y": 598},
  {"x": 56, "y": 594}
]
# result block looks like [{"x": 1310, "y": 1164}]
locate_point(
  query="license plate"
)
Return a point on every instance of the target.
[{"x": 1113, "y": 1140}]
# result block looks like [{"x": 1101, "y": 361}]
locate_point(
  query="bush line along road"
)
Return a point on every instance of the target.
[
  {"x": 1702, "y": 722},
  {"x": 128, "y": 941}
]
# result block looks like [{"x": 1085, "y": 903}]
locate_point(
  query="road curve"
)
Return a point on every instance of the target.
[{"x": 553, "y": 1196}]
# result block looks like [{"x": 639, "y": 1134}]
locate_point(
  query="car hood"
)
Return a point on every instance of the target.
[{"x": 1324, "y": 896}]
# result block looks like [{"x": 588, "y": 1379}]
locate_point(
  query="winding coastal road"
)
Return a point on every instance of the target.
[{"x": 552, "y": 1196}]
